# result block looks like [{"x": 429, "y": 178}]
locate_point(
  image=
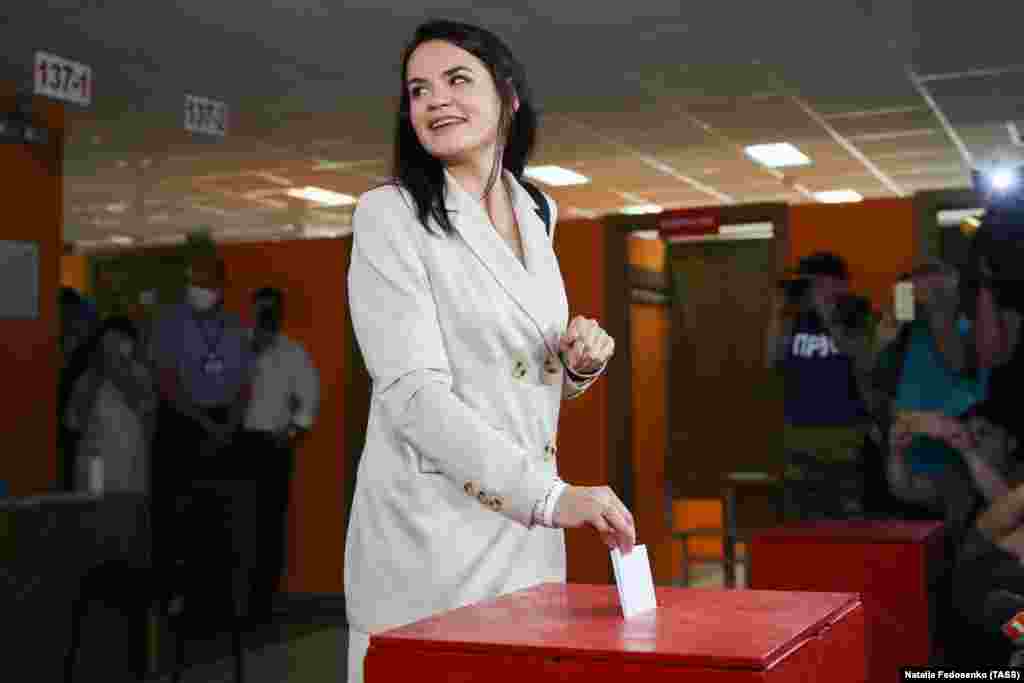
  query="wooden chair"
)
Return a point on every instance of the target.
[
  {"x": 732, "y": 533},
  {"x": 684, "y": 535}
]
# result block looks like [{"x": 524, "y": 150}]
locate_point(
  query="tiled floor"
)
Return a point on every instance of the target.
[{"x": 319, "y": 657}]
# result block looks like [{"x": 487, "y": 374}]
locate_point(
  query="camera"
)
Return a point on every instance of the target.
[
  {"x": 795, "y": 289},
  {"x": 853, "y": 311}
]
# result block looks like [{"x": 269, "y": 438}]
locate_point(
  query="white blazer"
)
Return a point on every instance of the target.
[{"x": 459, "y": 340}]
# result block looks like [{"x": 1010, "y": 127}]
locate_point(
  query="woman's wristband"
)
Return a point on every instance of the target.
[{"x": 550, "y": 502}]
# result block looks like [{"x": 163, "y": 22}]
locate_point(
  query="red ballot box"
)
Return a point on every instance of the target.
[
  {"x": 576, "y": 632},
  {"x": 890, "y": 563}
]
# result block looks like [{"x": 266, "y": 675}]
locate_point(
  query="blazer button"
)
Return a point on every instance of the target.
[
  {"x": 469, "y": 488},
  {"x": 519, "y": 369},
  {"x": 495, "y": 504},
  {"x": 483, "y": 498}
]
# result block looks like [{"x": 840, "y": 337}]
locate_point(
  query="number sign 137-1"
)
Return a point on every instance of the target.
[
  {"x": 206, "y": 116},
  {"x": 63, "y": 79}
]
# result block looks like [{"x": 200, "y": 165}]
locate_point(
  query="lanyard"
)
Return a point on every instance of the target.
[{"x": 212, "y": 343}]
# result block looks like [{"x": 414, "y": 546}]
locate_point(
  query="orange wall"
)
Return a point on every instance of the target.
[
  {"x": 583, "y": 457},
  {"x": 29, "y": 357},
  {"x": 876, "y": 237},
  {"x": 650, "y": 333},
  {"x": 312, "y": 275},
  {"x": 74, "y": 272},
  {"x": 649, "y": 329},
  {"x": 646, "y": 254}
]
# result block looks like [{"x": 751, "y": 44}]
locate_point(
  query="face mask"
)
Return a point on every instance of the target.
[{"x": 203, "y": 299}]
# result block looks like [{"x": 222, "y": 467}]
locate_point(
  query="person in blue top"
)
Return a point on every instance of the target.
[{"x": 925, "y": 365}]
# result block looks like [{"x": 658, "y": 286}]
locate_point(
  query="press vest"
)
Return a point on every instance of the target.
[{"x": 820, "y": 389}]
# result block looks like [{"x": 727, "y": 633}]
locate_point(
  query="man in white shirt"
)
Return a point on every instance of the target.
[{"x": 283, "y": 406}]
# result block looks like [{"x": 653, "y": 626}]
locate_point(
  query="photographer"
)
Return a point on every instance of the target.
[
  {"x": 821, "y": 339},
  {"x": 988, "y": 586}
]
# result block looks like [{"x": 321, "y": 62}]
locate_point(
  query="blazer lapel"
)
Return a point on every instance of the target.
[{"x": 531, "y": 288}]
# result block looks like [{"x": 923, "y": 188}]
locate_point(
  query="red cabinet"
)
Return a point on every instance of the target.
[
  {"x": 891, "y": 564},
  {"x": 576, "y": 632}
]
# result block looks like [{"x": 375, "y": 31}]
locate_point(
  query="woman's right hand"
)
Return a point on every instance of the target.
[{"x": 599, "y": 507}]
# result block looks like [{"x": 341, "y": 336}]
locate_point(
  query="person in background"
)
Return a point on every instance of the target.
[
  {"x": 922, "y": 372},
  {"x": 79, "y": 321},
  {"x": 281, "y": 412},
  {"x": 113, "y": 405},
  {"x": 202, "y": 358},
  {"x": 821, "y": 338},
  {"x": 144, "y": 312},
  {"x": 990, "y": 557}
]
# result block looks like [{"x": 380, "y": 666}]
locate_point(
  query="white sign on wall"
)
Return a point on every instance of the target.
[
  {"x": 63, "y": 79},
  {"x": 205, "y": 116},
  {"x": 19, "y": 279}
]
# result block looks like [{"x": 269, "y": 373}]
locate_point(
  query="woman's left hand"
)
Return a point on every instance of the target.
[{"x": 585, "y": 346}]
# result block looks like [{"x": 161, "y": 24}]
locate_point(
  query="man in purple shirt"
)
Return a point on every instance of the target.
[{"x": 202, "y": 360}]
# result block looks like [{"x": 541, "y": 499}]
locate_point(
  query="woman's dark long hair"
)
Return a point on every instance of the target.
[{"x": 422, "y": 174}]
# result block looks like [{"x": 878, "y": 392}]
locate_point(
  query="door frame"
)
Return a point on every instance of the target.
[
  {"x": 642, "y": 285},
  {"x": 775, "y": 213}
]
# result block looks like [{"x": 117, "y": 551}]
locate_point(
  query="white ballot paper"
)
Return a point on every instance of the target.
[
  {"x": 633, "y": 578},
  {"x": 903, "y": 301}
]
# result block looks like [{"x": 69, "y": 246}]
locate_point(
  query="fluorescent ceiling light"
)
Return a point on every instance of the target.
[
  {"x": 556, "y": 176},
  {"x": 645, "y": 234},
  {"x": 838, "y": 196},
  {"x": 321, "y": 196},
  {"x": 639, "y": 209},
  {"x": 122, "y": 240},
  {"x": 576, "y": 212},
  {"x": 747, "y": 229},
  {"x": 274, "y": 179},
  {"x": 117, "y": 207},
  {"x": 322, "y": 231},
  {"x": 955, "y": 217},
  {"x": 777, "y": 155}
]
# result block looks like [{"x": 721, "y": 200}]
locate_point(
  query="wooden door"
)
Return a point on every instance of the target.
[{"x": 725, "y": 407}]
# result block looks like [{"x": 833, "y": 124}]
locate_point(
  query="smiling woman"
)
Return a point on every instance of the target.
[
  {"x": 459, "y": 308},
  {"x": 464, "y": 104}
]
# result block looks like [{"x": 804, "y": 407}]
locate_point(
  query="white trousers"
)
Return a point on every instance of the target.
[{"x": 358, "y": 642}]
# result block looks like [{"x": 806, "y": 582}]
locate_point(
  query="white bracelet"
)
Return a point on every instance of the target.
[
  {"x": 537, "y": 517},
  {"x": 550, "y": 501}
]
